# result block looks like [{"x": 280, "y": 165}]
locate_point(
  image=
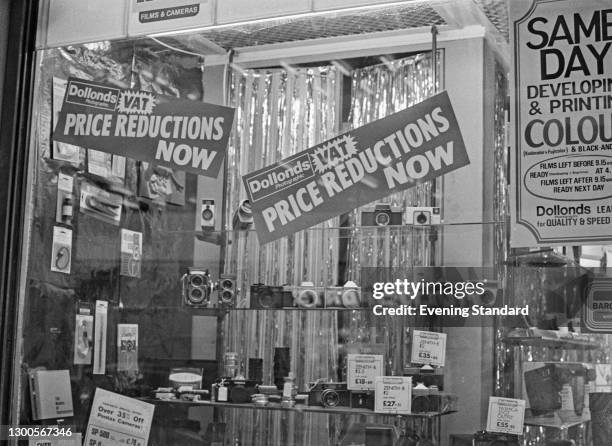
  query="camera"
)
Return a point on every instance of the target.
[
  {"x": 207, "y": 215},
  {"x": 329, "y": 394},
  {"x": 243, "y": 216},
  {"x": 227, "y": 293},
  {"x": 433, "y": 401},
  {"x": 307, "y": 295},
  {"x": 422, "y": 215},
  {"x": 382, "y": 215},
  {"x": 197, "y": 288},
  {"x": 348, "y": 296},
  {"x": 266, "y": 296},
  {"x": 483, "y": 438}
]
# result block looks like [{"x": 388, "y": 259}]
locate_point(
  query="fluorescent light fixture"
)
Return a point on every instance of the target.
[{"x": 302, "y": 15}]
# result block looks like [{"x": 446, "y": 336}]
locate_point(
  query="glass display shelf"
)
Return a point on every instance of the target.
[
  {"x": 551, "y": 339},
  {"x": 559, "y": 420},
  {"x": 298, "y": 408}
]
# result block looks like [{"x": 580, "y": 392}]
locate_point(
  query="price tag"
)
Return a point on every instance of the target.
[
  {"x": 428, "y": 347},
  {"x": 393, "y": 394},
  {"x": 506, "y": 415},
  {"x": 362, "y": 371}
]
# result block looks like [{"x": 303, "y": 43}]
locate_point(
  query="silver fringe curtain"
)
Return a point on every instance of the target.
[
  {"x": 279, "y": 113},
  {"x": 378, "y": 91}
]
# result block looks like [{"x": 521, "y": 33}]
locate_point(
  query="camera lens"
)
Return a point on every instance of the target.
[
  {"x": 227, "y": 296},
  {"x": 382, "y": 219},
  {"x": 265, "y": 299},
  {"x": 196, "y": 280},
  {"x": 330, "y": 398},
  {"x": 421, "y": 218},
  {"x": 307, "y": 299},
  {"x": 227, "y": 284},
  {"x": 196, "y": 295},
  {"x": 207, "y": 214}
]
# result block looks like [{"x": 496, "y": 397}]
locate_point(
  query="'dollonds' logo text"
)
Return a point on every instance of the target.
[
  {"x": 280, "y": 177},
  {"x": 97, "y": 96}
]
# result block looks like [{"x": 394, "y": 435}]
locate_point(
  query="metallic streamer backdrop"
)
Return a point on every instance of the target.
[
  {"x": 378, "y": 91},
  {"x": 278, "y": 113}
]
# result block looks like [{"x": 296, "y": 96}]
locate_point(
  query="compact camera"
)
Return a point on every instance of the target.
[
  {"x": 383, "y": 214},
  {"x": 197, "y": 288},
  {"x": 329, "y": 394},
  {"x": 227, "y": 292},
  {"x": 422, "y": 215},
  {"x": 307, "y": 295},
  {"x": 348, "y": 296},
  {"x": 483, "y": 438},
  {"x": 207, "y": 215},
  {"x": 266, "y": 296}
]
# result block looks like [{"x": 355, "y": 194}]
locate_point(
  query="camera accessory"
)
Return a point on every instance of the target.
[
  {"x": 227, "y": 290},
  {"x": 308, "y": 296},
  {"x": 197, "y": 288},
  {"x": 422, "y": 215},
  {"x": 348, "y": 296},
  {"x": 383, "y": 214},
  {"x": 483, "y": 438},
  {"x": 207, "y": 215},
  {"x": 265, "y": 296},
  {"x": 362, "y": 399},
  {"x": 329, "y": 394},
  {"x": 243, "y": 217},
  {"x": 489, "y": 297}
]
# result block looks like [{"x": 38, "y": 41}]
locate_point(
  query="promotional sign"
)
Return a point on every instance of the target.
[
  {"x": 562, "y": 165},
  {"x": 393, "y": 395},
  {"x": 116, "y": 419},
  {"x": 154, "y": 16},
  {"x": 176, "y": 133},
  {"x": 389, "y": 155},
  {"x": 506, "y": 415},
  {"x": 428, "y": 347},
  {"x": 362, "y": 371}
]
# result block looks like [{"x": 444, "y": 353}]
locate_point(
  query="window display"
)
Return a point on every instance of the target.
[{"x": 296, "y": 225}]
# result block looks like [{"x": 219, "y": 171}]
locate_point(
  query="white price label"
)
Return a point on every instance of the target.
[
  {"x": 428, "y": 347},
  {"x": 362, "y": 371},
  {"x": 393, "y": 394},
  {"x": 506, "y": 415}
]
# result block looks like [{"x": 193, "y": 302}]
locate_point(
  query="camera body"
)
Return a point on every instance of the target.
[
  {"x": 329, "y": 394},
  {"x": 348, "y": 296},
  {"x": 197, "y": 288},
  {"x": 483, "y": 438},
  {"x": 383, "y": 214},
  {"x": 266, "y": 296},
  {"x": 227, "y": 291},
  {"x": 422, "y": 215},
  {"x": 307, "y": 295}
]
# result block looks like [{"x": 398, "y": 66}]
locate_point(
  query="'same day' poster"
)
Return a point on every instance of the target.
[{"x": 562, "y": 121}]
